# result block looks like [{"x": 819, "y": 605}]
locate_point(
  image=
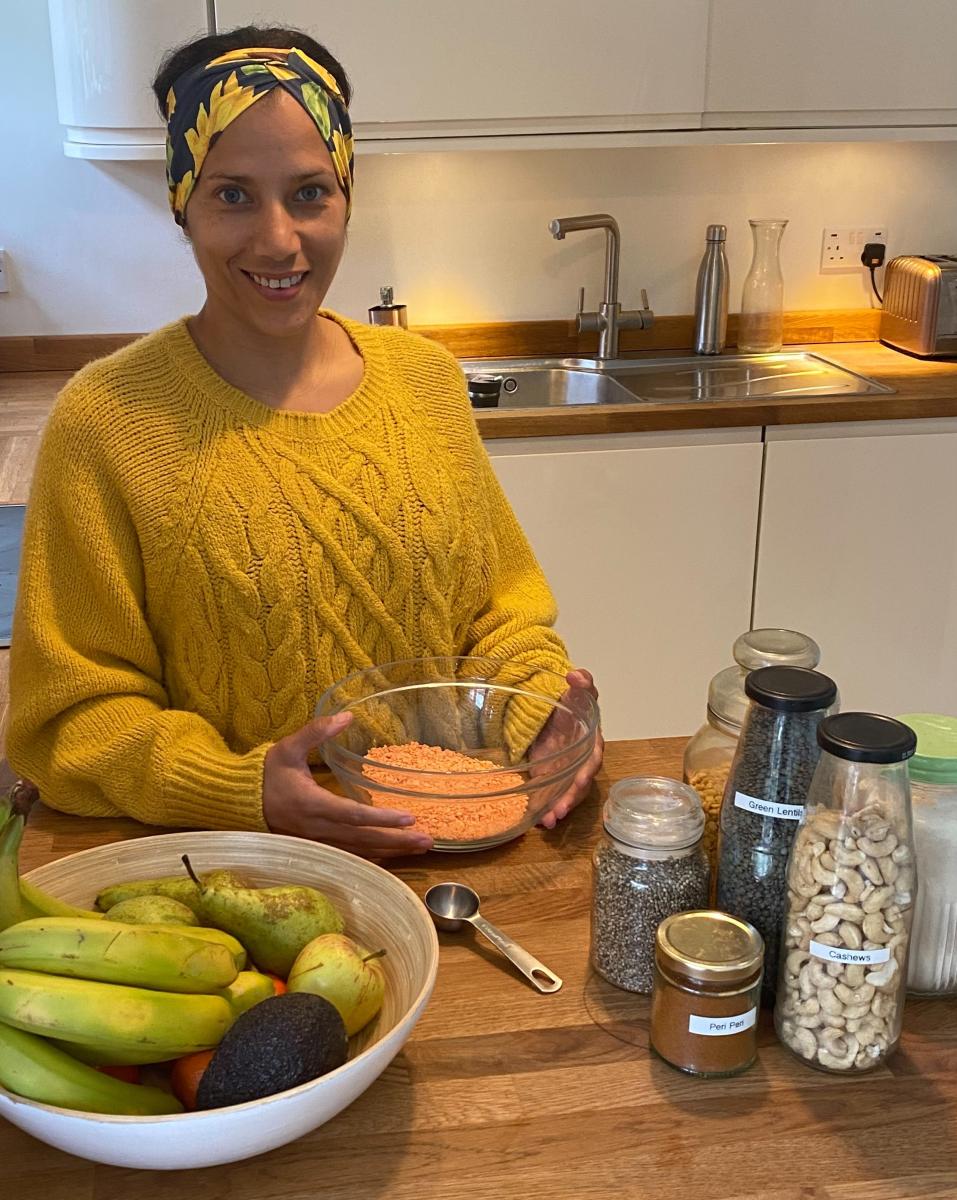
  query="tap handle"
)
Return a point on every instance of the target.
[
  {"x": 581, "y": 300},
  {"x": 644, "y": 298}
]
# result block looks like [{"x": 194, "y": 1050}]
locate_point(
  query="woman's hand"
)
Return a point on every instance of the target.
[
  {"x": 581, "y": 784},
  {"x": 294, "y": 803}
]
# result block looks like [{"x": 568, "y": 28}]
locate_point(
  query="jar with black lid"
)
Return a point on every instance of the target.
[{"x": 764, "y": 800}]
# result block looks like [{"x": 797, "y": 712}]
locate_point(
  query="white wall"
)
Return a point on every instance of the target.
[{"x": 462, "y": 237}]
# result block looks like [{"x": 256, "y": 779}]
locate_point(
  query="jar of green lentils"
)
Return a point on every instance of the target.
[{"x": 649, "y": 864}]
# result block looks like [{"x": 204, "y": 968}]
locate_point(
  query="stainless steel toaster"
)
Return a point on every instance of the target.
[{"x": 920, "y": 305}]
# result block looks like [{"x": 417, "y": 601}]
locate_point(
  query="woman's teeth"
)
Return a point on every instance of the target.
[{"x": 287, "y": 281}]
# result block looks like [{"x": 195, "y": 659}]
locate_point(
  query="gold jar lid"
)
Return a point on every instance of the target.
[{"x": 706, "y": 946}]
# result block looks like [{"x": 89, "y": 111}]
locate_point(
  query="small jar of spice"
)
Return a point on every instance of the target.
[
  {"x": 649, "y": 863},
  {"x": 704, "y": 1006}
]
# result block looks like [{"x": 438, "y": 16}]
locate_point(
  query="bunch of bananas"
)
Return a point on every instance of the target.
[{"x": 78, "y": 991}]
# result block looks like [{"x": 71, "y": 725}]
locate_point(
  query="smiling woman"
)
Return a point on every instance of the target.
[{"x": 254, "y": 501}]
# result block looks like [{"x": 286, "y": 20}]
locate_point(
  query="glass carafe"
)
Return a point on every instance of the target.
[{"x": 761, "y": 324}]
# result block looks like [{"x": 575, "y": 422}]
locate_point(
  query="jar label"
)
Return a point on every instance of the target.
[
  {"x": 721, "y": 1026},
  {"x": 767, "y": 808},
  {"x": 843, "y": 954}
]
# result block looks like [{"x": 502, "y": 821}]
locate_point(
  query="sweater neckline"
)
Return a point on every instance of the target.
[{"x": 354, "y": 410}]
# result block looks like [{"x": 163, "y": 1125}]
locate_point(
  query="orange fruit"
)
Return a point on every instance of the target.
[
  {"x": 127, "y": 1074},
  {"x": 186, "y": 1074}
]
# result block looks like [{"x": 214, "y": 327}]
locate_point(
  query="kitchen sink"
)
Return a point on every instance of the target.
[{"x": 544, "y": 383}]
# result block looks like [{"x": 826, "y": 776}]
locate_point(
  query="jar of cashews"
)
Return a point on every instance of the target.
[{"x": 851, "y": 885}]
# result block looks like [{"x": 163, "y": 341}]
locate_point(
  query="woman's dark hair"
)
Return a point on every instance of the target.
[{"x": 206, "y": 48}]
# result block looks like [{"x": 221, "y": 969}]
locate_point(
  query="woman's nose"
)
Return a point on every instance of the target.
[{"x": 276, "y": 235}]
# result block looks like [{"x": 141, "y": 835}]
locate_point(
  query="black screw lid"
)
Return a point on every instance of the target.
[
  {"x": 791, "y": 689},
  {"x": 866, "y": 737},
  {"x": 484, "y": 390}
]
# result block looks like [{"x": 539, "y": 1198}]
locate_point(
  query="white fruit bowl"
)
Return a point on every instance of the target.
[{"x": 379, "y": 911}]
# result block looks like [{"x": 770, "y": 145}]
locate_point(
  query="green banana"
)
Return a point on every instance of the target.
[
  {"x": 111, "y": 1016},
  {"x": 111, "y": 952},
  {"x": 247, "y": 989},
  {"x": 233, "y": 945},
  {"x": 20, "y": 900},
  {"x": 110, "y": 1056},
  {"x": 37, "y": 1069}
]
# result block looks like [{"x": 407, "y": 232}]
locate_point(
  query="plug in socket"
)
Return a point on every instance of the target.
[{"x": 841, "y": 245}]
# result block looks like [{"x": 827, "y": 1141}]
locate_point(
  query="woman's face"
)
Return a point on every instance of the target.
[{"x": 268, "y": 208}]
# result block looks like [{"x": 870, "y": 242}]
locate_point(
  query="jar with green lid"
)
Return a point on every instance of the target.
[
  {"x": 648, "y": 864},
  {"x": 704, "y": 1006},
  {"x": 708, "y": 755},
  {"x": 932, "y": 965}
]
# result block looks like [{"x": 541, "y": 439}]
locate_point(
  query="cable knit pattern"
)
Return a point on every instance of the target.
[{"x": 198, "y": 567}]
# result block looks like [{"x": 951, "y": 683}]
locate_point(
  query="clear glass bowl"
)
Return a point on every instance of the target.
[{"x": 525, "y": 731}]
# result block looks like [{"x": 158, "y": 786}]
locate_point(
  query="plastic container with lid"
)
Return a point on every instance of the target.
[
  {"x": 648, "y": 864},
  {"x": 932, "y": 964},
  {"x": 704, "y": 1007},
  {"x": 851, "y": 886},
  {"x": 708, "y": 755},
  {"x": 764, "y": 799}
]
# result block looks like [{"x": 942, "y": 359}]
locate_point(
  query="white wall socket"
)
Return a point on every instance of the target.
[
  {"x": 4, "y": 285},
  {"x": 841, "y": 245}
]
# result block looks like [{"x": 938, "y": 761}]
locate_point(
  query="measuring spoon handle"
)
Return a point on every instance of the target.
[{"x": 537, "y": 973}]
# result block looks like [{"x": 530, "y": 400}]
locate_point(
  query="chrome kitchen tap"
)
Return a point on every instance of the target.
[{"x": 610, "y": 318}]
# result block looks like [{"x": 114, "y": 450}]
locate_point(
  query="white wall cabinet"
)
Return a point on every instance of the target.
[
  {"x": 832, "y": 63},
  {"x": 648, "y": 542},
  {"x": 427, "y": 68},
  {"x": 858, "y": 548}
]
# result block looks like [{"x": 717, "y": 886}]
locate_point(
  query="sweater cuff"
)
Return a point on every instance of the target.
[{"x": 206, "y": 790}]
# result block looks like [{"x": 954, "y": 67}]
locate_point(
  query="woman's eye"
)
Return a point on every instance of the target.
[
  {"x": 232, "y": 194},
  {"x": 311, "y": 192}
]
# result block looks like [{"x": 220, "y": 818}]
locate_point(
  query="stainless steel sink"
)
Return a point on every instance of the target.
[{"x": 543, "y": 383}]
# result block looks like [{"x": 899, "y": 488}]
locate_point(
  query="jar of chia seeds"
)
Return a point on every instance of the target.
[
  {"x": 764, "y": 800},
  {"x": 649, "y": 864}
]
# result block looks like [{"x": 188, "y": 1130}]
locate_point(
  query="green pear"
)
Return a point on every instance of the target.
[
  {"x": 273, "y": 923},
  {"x": 344, "y": 973},
  {"x": 173, "y": 886},
  {"x": 247, "y": 989},
  {"x": 152, "y": 910}
]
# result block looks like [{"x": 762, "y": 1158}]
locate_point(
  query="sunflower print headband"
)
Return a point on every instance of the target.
[{"x": 207, "y": 98}]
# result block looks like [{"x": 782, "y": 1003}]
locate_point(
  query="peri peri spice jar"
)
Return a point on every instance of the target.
[{"x": 707, "y": 991}]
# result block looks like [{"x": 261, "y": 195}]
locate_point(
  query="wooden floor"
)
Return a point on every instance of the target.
[{"x": 25, "y": 403}]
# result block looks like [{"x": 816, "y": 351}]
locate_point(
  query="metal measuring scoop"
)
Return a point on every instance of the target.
[{"x": 452, "y": 903}]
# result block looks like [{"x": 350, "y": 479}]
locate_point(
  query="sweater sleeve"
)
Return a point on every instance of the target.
[
  {"x": 90, "y": 721},
  {"x": 514, "y": 626}
]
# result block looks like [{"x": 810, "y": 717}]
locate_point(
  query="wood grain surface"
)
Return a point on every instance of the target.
[
  {"x": 502, "y": 1092},
  {"x": 922, "y": 388},
  {"x": 490, "y": 339}
]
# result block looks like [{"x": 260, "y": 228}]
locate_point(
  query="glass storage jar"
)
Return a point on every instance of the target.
[
  {"x": 708, "y": 754},
  {"x": 648, "y": 864},
  {"x": 851, "y": 884},
  {"x": 764, "y": 799},
  {"x": 932, "y": 963},
  {"x": 704, "y": 1007}
]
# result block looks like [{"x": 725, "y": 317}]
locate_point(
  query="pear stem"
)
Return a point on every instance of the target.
[
  {"x": 192, "y": 874},
  {"x": 375, "y": 954}
]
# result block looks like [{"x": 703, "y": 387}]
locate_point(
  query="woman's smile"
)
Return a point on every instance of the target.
[{"x": 282, "y": 288}]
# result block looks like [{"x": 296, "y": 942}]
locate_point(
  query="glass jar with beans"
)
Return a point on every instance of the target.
[
  {"x": 648, "y": 865},
  {"x": 764, "y": 799},
  {"x": 708, "y": 754},
  {"x": 851, "y": 887}
]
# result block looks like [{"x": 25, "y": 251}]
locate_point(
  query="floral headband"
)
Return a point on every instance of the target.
[{"x": 207, "y": 98}]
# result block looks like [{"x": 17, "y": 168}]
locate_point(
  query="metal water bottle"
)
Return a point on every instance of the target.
[{"x": 711, "y": 295}]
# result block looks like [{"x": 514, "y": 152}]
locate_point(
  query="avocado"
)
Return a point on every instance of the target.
[{"x": 278, "y": 1044}]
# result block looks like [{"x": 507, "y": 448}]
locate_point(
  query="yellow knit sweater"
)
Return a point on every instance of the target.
[{"x": 198, "y": 567}]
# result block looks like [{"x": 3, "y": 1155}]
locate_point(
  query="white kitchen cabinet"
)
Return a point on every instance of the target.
[
  {"x": 648, "y": 543},
  {"x": 430, "y": 69},
  {"x": 858, "y": 549},
  {"x": 832, "y": 63}
]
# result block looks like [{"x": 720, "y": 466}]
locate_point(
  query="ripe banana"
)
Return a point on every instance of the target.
[
  {"x": 109, "y": 1015},
  {"x": 107, "y": 951},
  {"x": 233, "y": 945},
  {"x": 37, "y": 1069},
  {"x": 247, "y": 989},
  {"x": 19, "y": 900}
]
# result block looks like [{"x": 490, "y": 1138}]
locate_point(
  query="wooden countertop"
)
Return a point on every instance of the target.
[
  {"x": 922, "y": 388},
  {"x": 502, "y": 1092}
]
